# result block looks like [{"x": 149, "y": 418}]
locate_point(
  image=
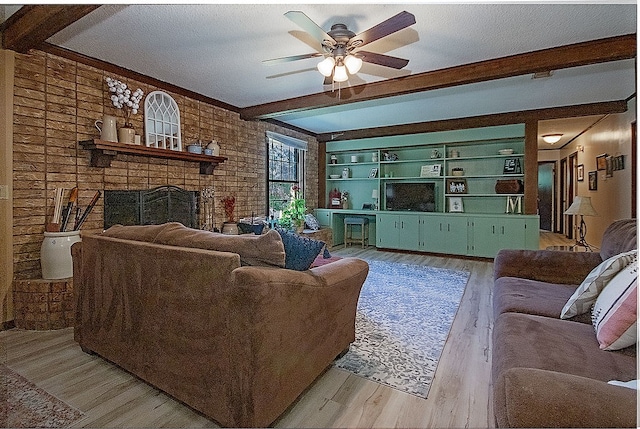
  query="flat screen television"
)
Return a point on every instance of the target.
[{"x": 403, "y": 196}]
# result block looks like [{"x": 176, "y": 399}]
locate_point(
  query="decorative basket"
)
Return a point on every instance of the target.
[{"x": 509, "y": 186}]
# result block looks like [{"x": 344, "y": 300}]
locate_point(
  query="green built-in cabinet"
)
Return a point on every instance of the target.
[{"x": 470, "y": 217}]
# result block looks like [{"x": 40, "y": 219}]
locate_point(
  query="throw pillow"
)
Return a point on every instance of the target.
[
  {"x": 300, "y": 252},
  {"x": 586, "y": 294},
  {"x": 311, "y": 222},
  {"x": 615, "y": 311}
]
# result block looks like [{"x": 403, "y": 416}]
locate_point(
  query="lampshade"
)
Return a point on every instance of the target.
[
  {"x": 374, "y": 194},
  {"x": 353, "y": 63},
  {"x": 581, "y": 206},
  {"x": 340, "y": 74},
  {"x": 326, "y": 66},
  {"x": 552, "y": 138}
]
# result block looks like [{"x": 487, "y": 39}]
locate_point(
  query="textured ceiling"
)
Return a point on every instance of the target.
[{"x": 217, "y": 50}]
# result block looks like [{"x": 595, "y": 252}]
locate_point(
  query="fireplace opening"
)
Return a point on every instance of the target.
[{"x": 151, "y": 207}]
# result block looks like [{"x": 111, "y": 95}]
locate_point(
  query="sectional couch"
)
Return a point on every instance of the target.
[
  {"x": 553, "y": 372},
  {"x": 215, "y": 321}
]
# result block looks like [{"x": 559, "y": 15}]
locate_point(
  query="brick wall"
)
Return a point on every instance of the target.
[{"x": 57, "y": 101}]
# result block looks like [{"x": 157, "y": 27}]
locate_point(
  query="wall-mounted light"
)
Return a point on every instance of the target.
[{"x": 551, "y": 138}]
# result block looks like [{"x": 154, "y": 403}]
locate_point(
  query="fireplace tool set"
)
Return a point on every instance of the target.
[{"x": 63, "y": 214}]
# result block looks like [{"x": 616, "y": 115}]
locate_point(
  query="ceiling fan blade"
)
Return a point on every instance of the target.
[
  {"x": 309, "y": 26},
  {"x": 395, "y": 23},
  {"x": 291, "y": 58},
  {"x": 382, "y": 59}
]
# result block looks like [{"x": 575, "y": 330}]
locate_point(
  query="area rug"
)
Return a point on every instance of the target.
[
  {"x": 25, "y": 405},
  {"x": 402, "y": 323}
]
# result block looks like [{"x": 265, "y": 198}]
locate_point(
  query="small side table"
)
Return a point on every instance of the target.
[{"x": 43, "y": 305}]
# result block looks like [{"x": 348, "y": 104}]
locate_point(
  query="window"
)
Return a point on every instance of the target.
[
  {"x": 286, "y": 168},
  {"x": 162, "y": 121}
]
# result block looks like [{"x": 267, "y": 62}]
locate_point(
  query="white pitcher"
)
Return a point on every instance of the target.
[{"x": 108, "y": 131}]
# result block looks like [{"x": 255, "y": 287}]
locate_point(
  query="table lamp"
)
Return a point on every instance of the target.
[
  {"x": 582, "y": 206},
  {"x": 374, "y": 196}
]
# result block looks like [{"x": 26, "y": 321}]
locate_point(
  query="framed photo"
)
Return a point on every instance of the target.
[
  {"x": 601, "y": 162},
  {"x": 593, "y": 180},
  {"x": 373, "y": 173},
  {"x": 431, "y": 170},
  {"x": 456, "y": 186},
  {"x": 609, "y": 170},
  {"x": 512, "y": 166},
  {"x": 455, "y": 205},
  {"x": 618, "y": 163},
  {"x": 580, "y": 172}
]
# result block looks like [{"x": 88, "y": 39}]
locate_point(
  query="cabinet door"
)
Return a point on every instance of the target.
[
  {"x": 407, "y": 232},
  {"x": 387, "y": 231},
  {"x": 492, "y": 234},
  {"x": 443, "y": 234},
  {"x": 324, "y": 217}
]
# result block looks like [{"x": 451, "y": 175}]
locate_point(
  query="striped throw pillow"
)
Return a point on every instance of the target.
[
  {"x": 586, "y": 294},
  {"x": 615, "y": 312}
]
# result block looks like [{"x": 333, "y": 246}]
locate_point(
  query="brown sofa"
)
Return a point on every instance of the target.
[
  {"x": 232, "y": 334},
  {"x": 550, "y": 372}
]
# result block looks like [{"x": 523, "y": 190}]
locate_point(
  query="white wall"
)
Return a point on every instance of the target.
[{"x": 612, "y": 199}]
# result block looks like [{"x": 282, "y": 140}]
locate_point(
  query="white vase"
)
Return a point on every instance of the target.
[
  {"x": 230, "y": 228},
  {"x": 126, "y": 135},
  {"x": 55, "y": 254}
]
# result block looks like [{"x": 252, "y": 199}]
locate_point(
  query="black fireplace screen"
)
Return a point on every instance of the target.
[{"x": 152, "y": 207}]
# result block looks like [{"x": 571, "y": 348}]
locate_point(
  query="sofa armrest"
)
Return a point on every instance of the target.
[
  {"x": 545, "y": 265},
  {"x": 527, "y": 397},
  {"x": 288, "y": 326}
]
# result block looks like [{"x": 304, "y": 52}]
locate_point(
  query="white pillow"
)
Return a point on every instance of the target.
[
  {"x": 631, "y": 384},
  {"x": 586, "y": 294},
  {"x": 615, "y": 312}
]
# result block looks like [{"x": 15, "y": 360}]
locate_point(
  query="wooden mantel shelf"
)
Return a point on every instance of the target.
[{"x": 103, "y": 152}]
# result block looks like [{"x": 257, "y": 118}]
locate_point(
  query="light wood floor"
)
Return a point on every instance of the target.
[{"x": 460, "y": 395}]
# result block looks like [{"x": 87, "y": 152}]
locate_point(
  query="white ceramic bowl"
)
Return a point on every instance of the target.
[
  {"x": 505, "y": 151},
  {"x": 334, "y": 176},
  {"x": 194, "y": 148}
]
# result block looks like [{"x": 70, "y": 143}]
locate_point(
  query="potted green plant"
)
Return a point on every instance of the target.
[{"x": 293, "y": 216}]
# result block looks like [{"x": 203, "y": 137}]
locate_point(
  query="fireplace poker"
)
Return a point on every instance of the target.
[
  {"x": 67, "y": 212},
  {"x": 93, "y": 202}
]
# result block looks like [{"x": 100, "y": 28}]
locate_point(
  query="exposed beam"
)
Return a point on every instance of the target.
[
  {"x": 33, "y": 24},
  {"x": 602, "y": 108},
  {"x": 574, "y": 55}
]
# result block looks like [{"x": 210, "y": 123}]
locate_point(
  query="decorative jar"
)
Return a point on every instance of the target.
[{"x": 55, "y": 254}]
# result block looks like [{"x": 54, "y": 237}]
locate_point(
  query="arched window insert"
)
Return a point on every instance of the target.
[{"x": 162, "y": 121}]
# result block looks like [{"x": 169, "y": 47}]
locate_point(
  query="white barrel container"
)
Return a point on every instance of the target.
[{"x": 55, "y": 254}]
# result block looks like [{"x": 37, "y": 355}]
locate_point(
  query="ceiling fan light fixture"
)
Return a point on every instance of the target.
[
  {"x": 353, "y": 64},
  {"x": 552, "y": 138},
  {"x": 340, "y": 74},
  {"x": 325, "y": 67}
]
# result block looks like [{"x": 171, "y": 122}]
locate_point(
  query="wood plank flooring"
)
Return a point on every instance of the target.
[{"x": 460, "y": 395}]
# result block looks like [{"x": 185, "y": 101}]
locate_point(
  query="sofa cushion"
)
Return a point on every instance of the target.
[
  {"x": 615, "y": 311},
  {"x": 619, "y": 237},
  {"x": 311, "y": 222},
  {"x": 586, "y": 294},
  {"x": 257, "y": 250},
  {"x": 511, "y": 294},
  {"x": 528, "y": 341},
  {"x": 300, "y": 252},
  {"x": 147, "y": 233},
  {"x": 533, "y": 398}
]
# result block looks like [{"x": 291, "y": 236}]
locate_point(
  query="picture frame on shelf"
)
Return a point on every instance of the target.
[
  {"x": 593, "y": 180},
  {"x": 456, "y": 205},
  {"x": 512, "y": 166},
  {"x": 456, "y": 186},
  {"x": 580, "y": 172},
  {"x": 433, "y": 170},
  {"x": 601, "y": 162},
  {"x": 373, "y": 173},
  {"x": 618, "y": 162}
]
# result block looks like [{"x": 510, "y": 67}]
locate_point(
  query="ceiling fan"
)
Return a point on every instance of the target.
[{"x": 340, "y": 46}]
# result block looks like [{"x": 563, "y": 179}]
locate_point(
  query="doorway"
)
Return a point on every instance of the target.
[{"x": 546, "y": 191}]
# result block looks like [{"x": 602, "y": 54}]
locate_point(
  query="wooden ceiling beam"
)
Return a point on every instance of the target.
[
  {"x": 33, "y": 24},
  {"x": 574, "y": 55},
  {"x": 601, "y": 108}
]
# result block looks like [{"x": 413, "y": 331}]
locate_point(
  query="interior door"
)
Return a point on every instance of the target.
[
  {"x": 546, "y": 174},
  {"x": 563, "y": 196}
]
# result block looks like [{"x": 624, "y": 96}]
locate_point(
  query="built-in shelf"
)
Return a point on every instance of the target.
[{"x": 103, "y": 152}]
